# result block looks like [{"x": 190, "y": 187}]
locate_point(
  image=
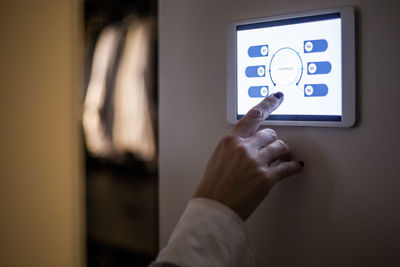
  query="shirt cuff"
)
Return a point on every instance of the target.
[{"x": 208, "y": 234}]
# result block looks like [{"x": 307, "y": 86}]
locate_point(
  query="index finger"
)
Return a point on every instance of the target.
[{"x": 249, "y": 124}]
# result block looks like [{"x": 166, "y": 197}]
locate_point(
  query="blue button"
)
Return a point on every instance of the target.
[
  {"x": 259, "y": 91},
  {"x": 258, "y": 51},
  {"x": 321, "y": 67},
  {"x": 255, "y": 71},
  {"x": 311, "y": 90},
  {"x": 312, "y": 46}
]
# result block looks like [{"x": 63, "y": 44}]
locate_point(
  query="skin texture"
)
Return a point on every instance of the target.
[{"x": 246, "y": 162}]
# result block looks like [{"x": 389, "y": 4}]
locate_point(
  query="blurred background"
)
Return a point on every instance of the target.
[
  {"x": 78, "y": 142},
  {"x": 119, "y": 119}
]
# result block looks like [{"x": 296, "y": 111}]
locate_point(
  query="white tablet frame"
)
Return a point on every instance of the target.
[{"x": 348, "y": 68}]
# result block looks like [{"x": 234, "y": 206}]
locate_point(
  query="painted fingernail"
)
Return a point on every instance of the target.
[
  {"x": 278, "y": 95},
  {"x": 301, "y": 163}
]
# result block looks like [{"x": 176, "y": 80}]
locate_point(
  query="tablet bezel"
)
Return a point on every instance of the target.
[{"x": 348, "y": 68}]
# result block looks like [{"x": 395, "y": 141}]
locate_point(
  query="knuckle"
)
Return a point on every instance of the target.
[
  {"x": 271, "y": 149},
  {"x": 256, "y": 112},
  {"x": 261, "y": 171},
  {"x": 270, "y": 101},
  {"x": 280, "y": 143},
  {"x": 269, "y": 178},
  {"x": 268, "y": 134},
  {"x": 241, "y": 149},
  {"x": 229, "y": 140},
  {"x": 283, "y": 146},
  {"x": 272, "y": 133},
  {"x": 235, "y": 145}
]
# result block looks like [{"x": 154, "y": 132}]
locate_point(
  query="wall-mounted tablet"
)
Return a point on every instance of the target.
[{"x": 309, "y": 56}]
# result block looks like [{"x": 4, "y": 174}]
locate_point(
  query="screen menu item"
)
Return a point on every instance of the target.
[{"x": 301, "y": 57}]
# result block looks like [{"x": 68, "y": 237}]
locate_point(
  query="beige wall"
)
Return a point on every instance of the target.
[
  {"x": 40, "y": 201},
  {"x": 344, "y": 209}
]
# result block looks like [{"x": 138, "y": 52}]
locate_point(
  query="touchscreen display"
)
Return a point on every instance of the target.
[{"x": 301, "y": 57}]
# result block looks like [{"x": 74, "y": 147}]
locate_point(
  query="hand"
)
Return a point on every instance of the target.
[{"x": 247, "y": 163}]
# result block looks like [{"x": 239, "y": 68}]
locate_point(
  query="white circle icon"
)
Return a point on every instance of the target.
[
  {"x": 264, "y": 50},
  {"x": 286, "y": 67},
  {"x": 264, "y": 91},
  {"x": 308, "y": 46},
  {"x": 260, "y": 71},
  {"x": 309, "y": 90},
  {"x": 312, "y": 68}
]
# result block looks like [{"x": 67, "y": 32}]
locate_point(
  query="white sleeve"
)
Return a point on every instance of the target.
[{"x": 208, "y": 234}]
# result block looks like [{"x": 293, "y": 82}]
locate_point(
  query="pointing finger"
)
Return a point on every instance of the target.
[{"x": 249, "y": 124}]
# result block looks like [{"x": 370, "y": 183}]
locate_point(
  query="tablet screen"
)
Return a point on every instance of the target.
[{"x": 301, "y": 57}]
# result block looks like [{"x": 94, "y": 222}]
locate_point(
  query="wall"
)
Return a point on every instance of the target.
[
  {"x": 343, "y": 210},
  {"x": 40, "y": 200}
]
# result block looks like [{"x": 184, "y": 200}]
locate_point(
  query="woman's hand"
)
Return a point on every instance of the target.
[{"x": 247, "y": 163}]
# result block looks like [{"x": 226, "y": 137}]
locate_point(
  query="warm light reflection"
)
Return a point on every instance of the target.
[
  {"x": 132, "y": 129},
  {"x": 104, "y": 52}
]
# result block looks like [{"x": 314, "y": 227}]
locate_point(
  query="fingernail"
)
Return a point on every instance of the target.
[
  {"x": 301, "y": 163},
  {"x": 278, "y": 95}
]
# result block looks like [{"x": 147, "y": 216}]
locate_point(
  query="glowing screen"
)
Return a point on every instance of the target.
[{"x": 301, "y": 57}]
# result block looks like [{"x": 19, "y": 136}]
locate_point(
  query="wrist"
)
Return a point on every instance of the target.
[{"x": 220, "y": 205}]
